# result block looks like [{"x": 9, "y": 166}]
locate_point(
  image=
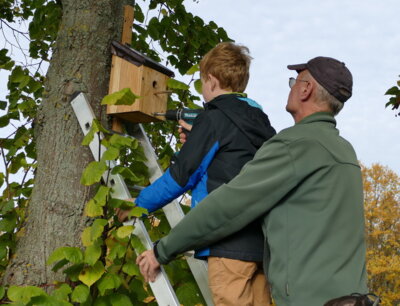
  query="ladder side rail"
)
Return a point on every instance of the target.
[
  {"x": 161, "y": 288},
  {"x": 174, "y": 214}
]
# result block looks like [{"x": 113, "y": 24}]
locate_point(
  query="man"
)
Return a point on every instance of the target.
[{"x": 306, "y": 185}]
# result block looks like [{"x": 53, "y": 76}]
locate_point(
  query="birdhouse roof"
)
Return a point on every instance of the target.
[{"x": 137, "y": 58}]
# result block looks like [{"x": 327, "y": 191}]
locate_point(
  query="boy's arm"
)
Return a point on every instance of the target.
[{"x": 186, "y": 169}]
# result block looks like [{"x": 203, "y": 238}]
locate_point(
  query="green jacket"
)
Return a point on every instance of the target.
[{"x": 306, "y": 185}]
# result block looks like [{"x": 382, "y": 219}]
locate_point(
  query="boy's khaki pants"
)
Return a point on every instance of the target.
[{"x": 236, "y": 282}]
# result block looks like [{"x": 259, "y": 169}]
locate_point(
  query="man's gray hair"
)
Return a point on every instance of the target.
[{"x": 325, "y": 97}]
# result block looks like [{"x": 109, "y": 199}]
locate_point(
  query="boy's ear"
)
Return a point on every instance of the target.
[{"x": 213, "y": 81}]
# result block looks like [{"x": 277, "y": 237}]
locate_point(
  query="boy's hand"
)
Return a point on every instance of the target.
[
  {"x": 123, "y": 214},
  {"x": 183, "y": 126}
]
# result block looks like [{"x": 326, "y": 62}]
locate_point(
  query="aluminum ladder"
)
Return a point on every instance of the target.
[{"x": 161, "y": 288}]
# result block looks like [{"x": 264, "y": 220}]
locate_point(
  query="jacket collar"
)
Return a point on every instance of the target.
[{"x": 318, "y": 117}]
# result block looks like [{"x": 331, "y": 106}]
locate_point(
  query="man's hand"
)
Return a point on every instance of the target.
[
  {"x": 123, "y": 214},
  {"x": 183, "y": 126},
  {"x": 149, "y": 266}
]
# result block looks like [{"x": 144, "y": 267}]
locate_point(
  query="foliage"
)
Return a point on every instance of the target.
[
  {"x": 102, "y": 272},
  {"x": 382, "y": 211},
  {"x": 394, "y": 101}
]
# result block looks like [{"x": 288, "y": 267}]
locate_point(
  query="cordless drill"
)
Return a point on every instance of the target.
[{"x": 185, "y": 114}]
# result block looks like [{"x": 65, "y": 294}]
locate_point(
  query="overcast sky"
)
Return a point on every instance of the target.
[{"x": 363, "y": 34}]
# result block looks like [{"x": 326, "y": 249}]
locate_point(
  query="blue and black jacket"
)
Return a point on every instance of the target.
[{"x": 223, "y": 138}]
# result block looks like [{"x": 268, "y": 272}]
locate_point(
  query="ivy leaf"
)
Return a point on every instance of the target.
[
  {"x": 193, "y": 69},
  {"x": 80, "y": 294},
  {"x": 97, "y": 228},
  {"x": 92, "y": 209},
  {"x": 92, "y": 254},
  {"x": 131, "y": 269},
  {"x": 198, "y": 86},
  {"x": 119, "y": 141},
  {"x": 101, "y": 195},
  {"x": 137, "y": 244},
  {"x": 2, "y": 292},
  {"x": 45, "y": 300},
  {"x": 120, "y": 300},
  {"x": 59, "y": 265},
  {"x": 108, "y": 281},
  {"x": 117, "y": 251},
  {"x": 175, "y": 84},
  {"x": 93, "y": 173},
  {"x": 110, "y": 154},
  {"x": 124, "y": 231},
  {"x": 8, "y": 223},
  {"x": 74, "y": 271},
  {"x": 123, "y": 97},
  {"x": 62, "y": 292},
  {"x": 23, "y": 294},
  {"x": 138, "y": 212},
  {"x": 72, "y": 254},
  {"x": 86, "y": 237},
  {"x": 90, "y": 275}
]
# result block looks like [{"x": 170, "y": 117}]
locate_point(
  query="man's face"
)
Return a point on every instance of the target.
[{"x": 294, "y": 94}]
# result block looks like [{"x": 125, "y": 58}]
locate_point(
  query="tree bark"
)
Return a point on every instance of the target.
[{"x": 80, "y": 62}]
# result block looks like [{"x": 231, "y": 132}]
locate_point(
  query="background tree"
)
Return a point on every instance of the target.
[
  {"x": 382, "y": 211},
  {"x": 394, "y": 101},
  {"x": 75, "y": 38}
]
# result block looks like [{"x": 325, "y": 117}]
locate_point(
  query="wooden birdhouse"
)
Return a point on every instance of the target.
[{"x": 145, "y": 77}]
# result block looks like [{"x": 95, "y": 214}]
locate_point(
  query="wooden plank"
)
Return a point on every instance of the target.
[{"x": 128, "y": 23}]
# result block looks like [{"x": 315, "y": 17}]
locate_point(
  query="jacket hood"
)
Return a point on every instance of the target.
[{"x": 251, "y": 120}]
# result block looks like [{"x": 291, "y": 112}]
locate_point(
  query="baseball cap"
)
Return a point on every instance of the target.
[{"x": 331, "y": 74}]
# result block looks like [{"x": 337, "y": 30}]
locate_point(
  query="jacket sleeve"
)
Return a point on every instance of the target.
[
  {"x": 187, "y": 169},
  {"x": 261, "y": 185}
]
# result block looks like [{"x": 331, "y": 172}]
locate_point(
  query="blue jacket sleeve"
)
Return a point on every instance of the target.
[{"x": 187, "y": 169}]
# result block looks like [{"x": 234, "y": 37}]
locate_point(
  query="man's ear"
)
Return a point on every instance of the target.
[{"x": 306, "y": 90}]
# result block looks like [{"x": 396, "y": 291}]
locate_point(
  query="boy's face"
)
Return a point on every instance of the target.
[{"x": 206, "y": 89}]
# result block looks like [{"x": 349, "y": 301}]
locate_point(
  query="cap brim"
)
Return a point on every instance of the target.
[{"x": 299, "y": 67}]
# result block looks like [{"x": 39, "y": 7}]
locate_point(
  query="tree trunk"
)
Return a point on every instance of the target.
[{"x": 80, "y": 62}]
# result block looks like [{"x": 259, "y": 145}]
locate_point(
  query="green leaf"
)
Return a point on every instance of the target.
[
  {"x": 193, "y": 69},
  {"x": 175, "y": 84},
  {"x": 117, "y": 251},
  {"x": 59, "y": 265},
  {"x": 111, "y": 153},
  {"x": 126, "y": 173},
  {"x": 45, "y": 300},
  {"x": 131, "y": 269},
  {"x": 62, "y": 292},
  {"x": 90, "y": 275},
  {"x": 3, "y": 105},
  {"x": 8, "y": 223},
  {"x": 138, "y": 212},
  {"x": 108, "y": 281},
  {"x": 119, "y": 141},
  {"x": 393, "y": 91},
  {"x": 137, "y": 244},
  {"x": 93, "y": 210},
  {"x": 74, "y": 271},
  {"x": 72, "y": 254},
  {"x": 92, "y": 254},
  {"x": 2, "y": 292},
  {"x": 198, "y": 86},
  {"x": 86, "y": 236},
  {"x": 188, "y": 294},
  {"x": 123, "y": 97},
  {"x": 101, "y": 195},
  {"x": 23, "y": 294},
  {"x": 97, "y": 228},
  {"x": 124, "y": 231},
  {"x": 6, "y": 206},
  {"x": 93, "y": 173},
  {"x": 80, "y": 294},
  {"x": 120, "y": 300}
]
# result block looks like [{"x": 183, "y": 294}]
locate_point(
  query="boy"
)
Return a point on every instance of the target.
[{"x": 223, "y": 138}]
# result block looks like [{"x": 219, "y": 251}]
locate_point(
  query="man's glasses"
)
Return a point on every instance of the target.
[{"x": 293, "y": 81}]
